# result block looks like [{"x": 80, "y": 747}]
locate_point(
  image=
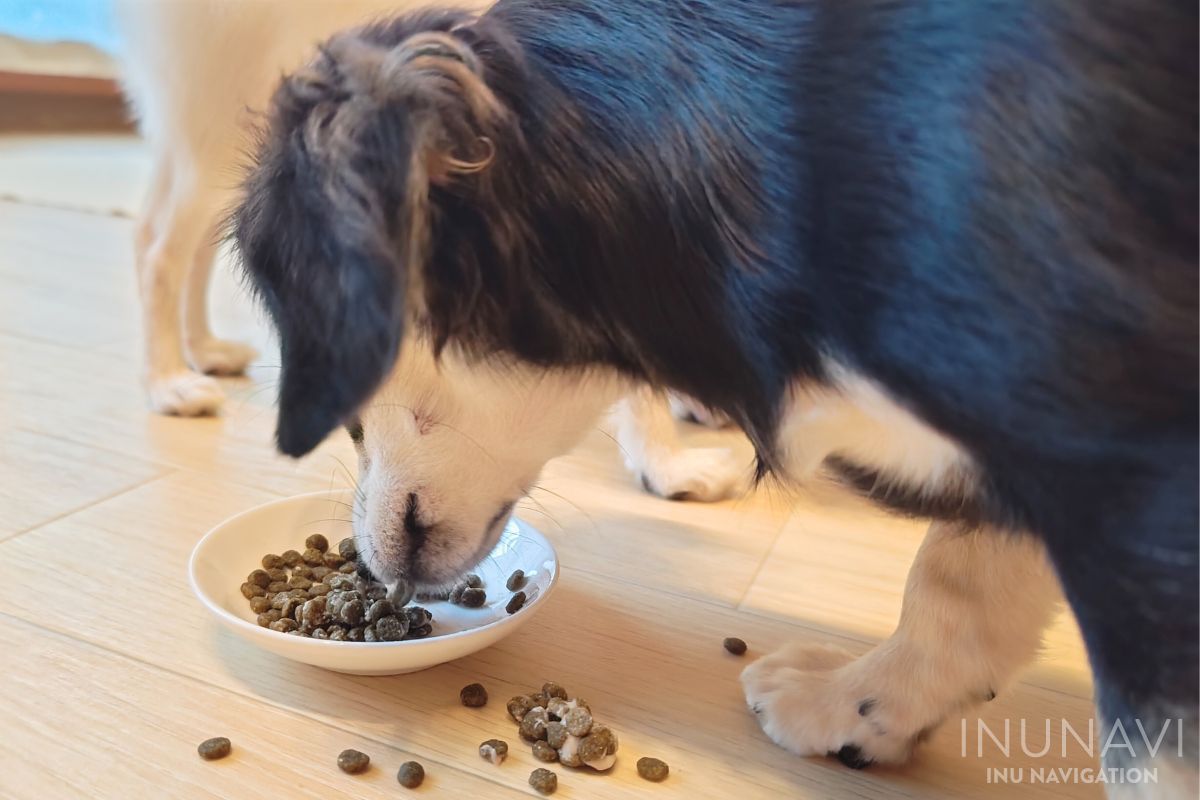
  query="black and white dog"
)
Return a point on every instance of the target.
[{"x": 948, "y": 248}]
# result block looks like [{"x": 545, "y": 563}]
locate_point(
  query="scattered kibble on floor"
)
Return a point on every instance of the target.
[
  {"x": 473, "y": 695},
  {"x": 212, "y": 749},
  {"x": 653, "y": 769},
  {"x": 560, "y": 728},
  {"x": 735, "y": 646},
  {"x": 411, "y": 775},
  {"x": 545, "y": 781},
  {"x": 353, "y": 762},
  {"x": 494, "y": 751}
]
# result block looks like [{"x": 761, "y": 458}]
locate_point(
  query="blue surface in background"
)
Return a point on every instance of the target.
[{"x": 87, "y": 21}]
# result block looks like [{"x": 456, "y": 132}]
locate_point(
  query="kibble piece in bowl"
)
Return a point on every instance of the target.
[
  {"x": 316, "y": 542},
  {"x": 516, "y": 580}
]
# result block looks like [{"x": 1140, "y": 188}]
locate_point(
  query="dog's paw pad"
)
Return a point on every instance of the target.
[
  {"x": 703, "y": 475},
  {"x": 185, "y": 394},
  {"x": 221, "y": 357}
]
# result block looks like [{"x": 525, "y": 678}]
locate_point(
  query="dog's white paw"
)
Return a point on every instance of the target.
[
  {"x": 819, "y": 700},
  {"x": 702, "y": 474},
  {"x": 185, "y": 394},
  {"x": 221, "y": 357}
]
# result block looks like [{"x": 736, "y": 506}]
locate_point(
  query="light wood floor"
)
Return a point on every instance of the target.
[{"x": 112, "y": 672}]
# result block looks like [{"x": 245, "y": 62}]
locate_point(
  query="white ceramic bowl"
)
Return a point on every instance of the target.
[{"x": 229, "y": 552}]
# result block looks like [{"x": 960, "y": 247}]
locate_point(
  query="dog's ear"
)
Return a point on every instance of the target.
[{"x": 334, "y": 221}]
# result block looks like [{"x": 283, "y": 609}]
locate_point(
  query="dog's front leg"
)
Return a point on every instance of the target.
[
  {"x": 650, "y": 444},
  {"x": 975, "y": 606}
]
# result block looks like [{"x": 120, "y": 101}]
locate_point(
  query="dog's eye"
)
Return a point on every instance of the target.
[{"x": 355, "y": 429}]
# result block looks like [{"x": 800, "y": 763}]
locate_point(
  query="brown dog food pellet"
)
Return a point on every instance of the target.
[
  {"x": 349, "y": 568},
  {"x": 260, "y": 605},
  {"x": 316, "y": 542},
  {"x": 380, "y": 609},
  {"x": 271, "y": 561},
  {"x": 250, "y": 590},
  {"x": 259, "y": 577},
  {"x": 320, "y": 573},
  {"x": 533, "y": 726},
  {"x": 578, "y": 722},
  {"x": 332, "y": 560},
  {"x": 545, "y": 781},
  {"x": 292, "y": 558},
  {"x": 653, "y": 769},
  {"x": 474, "y": 598},
  {"x": 735, "y": 646},
  {"x": 304, "y": 571},
  {"x": 542, "y": 751},
  {"x": 347, "y": 549},
  {"x": 494, "y": 751},
  {"x": 411, "y": 775},
  {"x": 473, "y": 695},
  {"x": 313, "y": 557},
  {"x": 515, "y": 603},
  {"x": 552, "y": 689},
  {"x": 276, "y": 587},
  {"x": 284, "y": 625},
  {"x": 391, "y": 629},
  {"x": 519, "y": 706},
  {"x": 556, "y": 734},
  {"x": 353, "y": 761},
  {"x": 212, "y": 749},
  {"x": 277, "y": 574},
  {"x": 516, "y": 580}
]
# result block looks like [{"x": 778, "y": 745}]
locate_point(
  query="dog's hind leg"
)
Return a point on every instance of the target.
[
  {"x": 205, "y": 352},
  {"x": 975, "y": 606},
  {"x": 650, "y": 445},
  {"x": 172, "y": 228}
]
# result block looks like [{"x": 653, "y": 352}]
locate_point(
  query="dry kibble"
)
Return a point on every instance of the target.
[
  {"x": 557, "y": 708},
  {"x": 380, "y": 609},
  {"x": 556, "y": 734},
  {"x": 474, "y": 598},
  {"x": 259, "y": 577},
  {"x": 494, "y": 750},
  {"x": 599, "y": 748},
  {"x": 271, "y": 561},
  {"x": 391, "y": 629},
  {"x": 318, "y": 590},
  {"x": 277, "y": 574},
  {"x": 375, "y": 591},
  {"x": 515, "y": 603},
  {"x": 351, "y": 612},
  {"x": 347, "y": 549},
  {"x": 735, "y": 646},
  {"x": 368, "y": 634},
  {"x": 519, "y": 707},
  {"x": 260, "y": 605},
  {"x": 411, "y": 775},
  {"x": 533, "y": 726},
  {"x": 341, "y": 583},
  {"x": 355, "y": 634},
  {"x": 653, "y": 769},
  {"x": 516, "y": 581},
  {"x": 420, "y": 632},
  {"x": 314, "y": 613},
  {"x": 275, "y": 587},
  {"x": 552, "y": 689},
  {"x": 313, "y": 557},
  {"x": 338, "y": 634},
  {"x": 545, "y": 781},
  {"x": 578, "y": 722},
  {"x": 212, "y": 749},
  {"x": 456, "y": 593},
  {"x": 568, "y": 754},
  {"x": 304, "y": 571},
  {"x": 349, "y": 568},
  {"x": 320, "y": 573},
  {"x": 250, "y": 590},
  {"x": 417, "y": 617},
  {"x": 353, "y": 761},
  {"x": 542, "y": 751},
  {"x": 473, "y": 695},
  {"x": 299, "y": 582},
  {"x": 284, "y": 625},
  {"x": 265, "y": 619},
  {"x": 332, "y": 560},
  {"x": 317, "y": 542},
  {"x": 319, "y": 633},
  {"x": 292, "y": 558},
  {"x": 288, "y": 609},
  {"x": 473, "y": 581}
]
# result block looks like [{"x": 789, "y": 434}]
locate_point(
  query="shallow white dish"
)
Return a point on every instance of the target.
[{"x": 230, "y": 551}]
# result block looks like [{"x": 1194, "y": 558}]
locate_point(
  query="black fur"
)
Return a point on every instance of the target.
[{"x": 988, "y": 207}]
